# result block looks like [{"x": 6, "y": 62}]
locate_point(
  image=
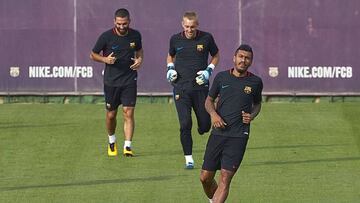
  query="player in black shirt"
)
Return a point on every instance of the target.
[
  {"x": 122, "y": 54},
  {"x": 189, "y": 72},
  {"x": 237, "y": 93}
]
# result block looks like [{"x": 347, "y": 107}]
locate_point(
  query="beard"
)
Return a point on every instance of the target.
[
  {"x": 241, "y": 68},
  {"x": 122, "y": 31}
]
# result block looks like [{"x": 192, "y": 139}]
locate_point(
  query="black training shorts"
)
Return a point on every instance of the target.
[
  {"x": 115, "y": 96},
  {"x": 224, "y": 153}
]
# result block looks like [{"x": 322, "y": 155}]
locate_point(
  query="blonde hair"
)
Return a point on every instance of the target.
[{"x": 191, "y": 15}]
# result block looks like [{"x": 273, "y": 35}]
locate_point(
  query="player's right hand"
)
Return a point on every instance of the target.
[
  {"x": 171, "y": 74},
  {"x": 110, "y": 59},
  {"x": 217, "y": 121}
]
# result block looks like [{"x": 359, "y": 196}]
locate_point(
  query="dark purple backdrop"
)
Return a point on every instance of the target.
[{"x": 284, "y": 34}]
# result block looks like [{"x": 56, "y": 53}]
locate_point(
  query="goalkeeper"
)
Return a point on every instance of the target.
[{"x": 188, "y": 71}]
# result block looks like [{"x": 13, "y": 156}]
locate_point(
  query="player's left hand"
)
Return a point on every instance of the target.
[
  {"x": 202, "y": 78},
  {"x": 246, "y": 117},
  {"x": 136, "y": 64},
  {"x": 204, "y": 75}
]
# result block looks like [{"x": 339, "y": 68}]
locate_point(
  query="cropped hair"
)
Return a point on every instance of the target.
[
  {"x": 191, "y": 15},
  {"x": 245, "y": 47},
  {"x": 122, "y": 13}
]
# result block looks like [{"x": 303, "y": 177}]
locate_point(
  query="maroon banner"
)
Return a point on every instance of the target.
[{"x": 300, "y": 46}]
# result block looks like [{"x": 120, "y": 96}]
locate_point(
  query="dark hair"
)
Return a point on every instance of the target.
[
  {"x": 245, "y": 47},
  {"x": 122, "y": 13}
]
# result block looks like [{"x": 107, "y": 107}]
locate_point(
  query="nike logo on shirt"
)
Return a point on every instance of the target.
[
  {"x": 224, "y": 86},
  {"x": 113, "y": 47},
  {"x": 179, "y": 48}
]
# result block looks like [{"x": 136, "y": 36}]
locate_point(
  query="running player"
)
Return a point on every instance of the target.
[
  {"x": 122, "y": 55},
  {"x": 239, "y": 102},
  {"x": 189, "y": 72}
]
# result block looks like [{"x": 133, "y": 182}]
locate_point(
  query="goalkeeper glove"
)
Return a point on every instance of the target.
[
  {"x": 171, "y": 74},
  {"x": 204, "y": 75}
]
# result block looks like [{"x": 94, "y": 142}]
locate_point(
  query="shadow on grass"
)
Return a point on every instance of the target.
[
  {"x": 88, "y": 183},
  {"x": 202, "y": 151},
  {"x": 303, "y": 161},
  {"x": 17, "y": 125},
  {"x": 296, "y": 146},
  {"x": 167, "y": 153}
]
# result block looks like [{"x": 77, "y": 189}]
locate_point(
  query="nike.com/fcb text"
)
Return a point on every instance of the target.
[
  {"x": 320, "y": 72},
  {"x": 60, "y": 72}
]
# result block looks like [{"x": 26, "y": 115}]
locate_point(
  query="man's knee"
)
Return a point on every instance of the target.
[
  {"x": 206, "y": 177},
  {"x": 205, "y": 180},
  {"x": 203, "y": 130},
  {"x": 204, "y": 127},
  {"x": 185, "y": 125},
  {"x": 128, "y": 113},
  {"x": 226, "y": 177},
  {"x": 111, "y": 115}
]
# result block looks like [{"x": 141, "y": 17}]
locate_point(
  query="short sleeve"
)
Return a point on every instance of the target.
[
  {"x": 258, "y": 97},
  {"x": 139, "y": 42},
  {"x": 213, "y": 49},
  {"x": 172, "y": 51},
  {"x": 215, "y": 88},
  {"x": 100, "y": 44}
]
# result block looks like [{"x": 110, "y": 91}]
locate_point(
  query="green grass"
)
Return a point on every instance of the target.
[{"x": 298, "y": 152}]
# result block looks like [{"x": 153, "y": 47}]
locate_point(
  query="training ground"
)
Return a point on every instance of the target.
[{"x": 298, "y": 152}]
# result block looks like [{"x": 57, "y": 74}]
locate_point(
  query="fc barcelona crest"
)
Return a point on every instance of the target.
[
  {"x": 200, "y": 47},
  {"x": 273, "y": 71},
  {"x": 247, "y": 89},
  {"x": 14, "y": 72},
  {"x": 132, "y": 45}
]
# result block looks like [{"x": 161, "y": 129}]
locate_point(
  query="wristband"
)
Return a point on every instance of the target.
[
  {"x": 212, "y": 66},
  {"x": 170, "y": 66}
]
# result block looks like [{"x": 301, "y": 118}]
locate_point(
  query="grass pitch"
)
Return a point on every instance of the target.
[{"x": 297, "y": 152}]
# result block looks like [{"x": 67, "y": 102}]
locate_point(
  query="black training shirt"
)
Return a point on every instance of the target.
[
  {"x": 191, "y": 57},
  {"x": 124, "y": 47},
  {"x": 236, "y": 94}
]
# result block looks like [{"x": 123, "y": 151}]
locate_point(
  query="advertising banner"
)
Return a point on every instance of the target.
[
  {"x": 300, "y": 46},
  {"x": 305, "y": 47}
]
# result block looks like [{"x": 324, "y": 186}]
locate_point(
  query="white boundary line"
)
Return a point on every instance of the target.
[
  {"x": 240, "y": 22},
  {"x": 75, "y": 44}
]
